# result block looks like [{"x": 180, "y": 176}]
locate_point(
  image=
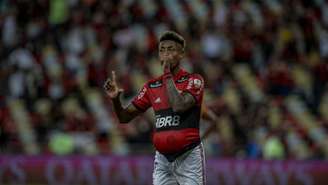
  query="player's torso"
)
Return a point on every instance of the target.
[
  {"x": 174, "y": 131},
  {"x": 166, "y": 118}
]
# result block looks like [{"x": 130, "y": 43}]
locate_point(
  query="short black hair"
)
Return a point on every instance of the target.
[{"x": 173, "y": 36}]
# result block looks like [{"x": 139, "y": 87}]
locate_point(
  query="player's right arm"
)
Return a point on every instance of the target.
[{"x": 124, "y": 114}]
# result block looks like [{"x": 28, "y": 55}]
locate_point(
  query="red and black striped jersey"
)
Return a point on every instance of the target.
[{"x": 175, "y": 132}]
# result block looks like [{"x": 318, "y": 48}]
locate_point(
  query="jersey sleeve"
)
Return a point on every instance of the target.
[
  {"x": 142, "y": 101},
  {"x": 196, "y": 87}
]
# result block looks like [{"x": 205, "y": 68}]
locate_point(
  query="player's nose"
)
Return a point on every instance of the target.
[{"x": 166, "y": 54}]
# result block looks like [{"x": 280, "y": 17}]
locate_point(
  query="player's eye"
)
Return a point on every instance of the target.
[{"x": 171, "y": 49}]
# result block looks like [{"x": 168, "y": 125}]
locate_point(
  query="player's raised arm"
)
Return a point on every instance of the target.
[
  {"x": 124, "y": 114},
  {"x": 179, "y": 101}
]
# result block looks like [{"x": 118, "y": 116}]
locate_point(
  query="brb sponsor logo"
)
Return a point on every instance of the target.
[{"x": 167, "y": 121}]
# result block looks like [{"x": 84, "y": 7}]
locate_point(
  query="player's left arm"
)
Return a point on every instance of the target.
[{"x": 179, "y": 101}]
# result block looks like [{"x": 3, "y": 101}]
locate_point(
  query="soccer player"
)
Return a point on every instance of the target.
[{"x": 176, "y": 97}]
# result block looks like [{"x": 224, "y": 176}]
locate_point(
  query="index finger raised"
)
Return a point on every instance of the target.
[{"x": 114, "y": 76}]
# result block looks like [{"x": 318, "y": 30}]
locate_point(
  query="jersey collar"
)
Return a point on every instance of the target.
[{"x": 180, "y": 73}]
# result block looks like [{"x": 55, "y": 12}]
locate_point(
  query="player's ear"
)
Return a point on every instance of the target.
[{"x": 181, "y": 53}]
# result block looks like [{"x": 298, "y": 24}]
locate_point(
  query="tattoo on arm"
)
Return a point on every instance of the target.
[{"x": 179, "y": 102}]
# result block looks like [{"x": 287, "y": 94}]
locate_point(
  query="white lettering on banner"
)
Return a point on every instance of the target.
[
  {"x": 19, "y": 173},
  {"x": 143, "y": 178},
  {"x": 16, "y": 173},
  {"x": 243, "y": 177},
  {"x": 264, "y": 176},
  {"x": 302, "y": 176},
  {"x": 222, "y": 175},
  {"x": 138, "y": 170},
  {"x": 257, "y": 174},
  {"x": 122, "y": 174},
  {"x": 167, "y": 121},
  {"x": 86, "y": 173},
  {"x": 282, "y": 175},
  {"x": 104, "y": 165},
  {"x": 227, "y": 177},
  {"x": 66, "y": 169}
]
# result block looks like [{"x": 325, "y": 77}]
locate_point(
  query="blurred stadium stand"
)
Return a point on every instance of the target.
[{"x": 265, "y": 64}]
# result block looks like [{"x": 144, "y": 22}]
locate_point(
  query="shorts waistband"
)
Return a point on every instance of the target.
[{"x": 172, "y": 157}]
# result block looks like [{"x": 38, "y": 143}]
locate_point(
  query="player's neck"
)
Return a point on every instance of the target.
[{"x": 176, "y": 70}]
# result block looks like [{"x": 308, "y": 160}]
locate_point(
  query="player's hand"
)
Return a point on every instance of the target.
[
  {"x": 111, "y": 87},
  {"x": 166, "y": 66},
  {"x": 167, "y": 62}
]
